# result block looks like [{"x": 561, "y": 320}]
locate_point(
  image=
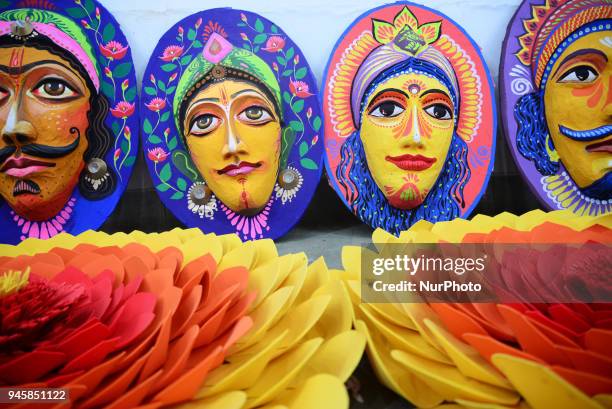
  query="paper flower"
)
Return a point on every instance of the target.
[
  {"x": 492, "y": 355},
  {"x": 204, "y": 320}
]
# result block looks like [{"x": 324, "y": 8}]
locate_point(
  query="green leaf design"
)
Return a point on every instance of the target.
[
  {"x": 308, "y": 163},
  {"x": 166, "y": 173},
  {"x": 298, "y": 106},
  {"x": 287, "y": 73},
  {"x": 177, "y": 196},
  {"x": 154, "y": 139},
  {"x": 4, "y": 3},
  {"x": 303, "y": 148},
  {"x": 115, "y": 127},
  {"x": 171, "y": 89},
  {"x": 281, "y": 60},
  {"x": 316, "y": 123},
  {"x": 274, "y": 29},
  {"x": 297, "y": 126},
  {"x": 130, "y": 94},
  {"x": 129, "y": 161},
  {"x": 172, "y": 144},
  {"x": 287, "y": 97},
  {"x": 191, "y": 34},
  {"x": 89, "y": 5},
  {"x": 108, "y": 90},
  {"x": 124, "y": 146},
  {"x": 146, "y": 126},
  {"x": 108, "y": 33},
  {"x": 183, "y": 163},
  {"x": 150, "y": 91},
  {"x": 186, "y": 59},
  {"x": 122, "y": 70},
  {"x": 165, "y": 116},
  {"x": 161, "y": 85},
  {"x": 290, "y": 53},
  {"x": 168, "y": 67},
  {"x": 259, "y": 26},
  {"x": 197, "y": 44},
  {"x": 301, "y": 73},
  {"x": 76, "y": 12},
  {"x": 162, "y": 187},
  {"x": 181, "y": 184},
  {"x": 260, "y": 39},
  {"x": 288, "y": 138}
]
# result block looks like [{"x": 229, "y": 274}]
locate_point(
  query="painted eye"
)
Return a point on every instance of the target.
[
  {"x": 3, "y": 94},
  {"x": 255, "y": 115},
  {"x": 204, "y": 124},
  {"x": 439, "y": 111},
  {"x": 387, "y": 109},
  {"x": 582, "y": 74},
  {"x": 54, "y": 88}
]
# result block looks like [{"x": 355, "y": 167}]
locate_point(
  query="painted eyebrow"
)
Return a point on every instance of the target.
[
  {"x": 244, "y": 91},
  {"x": 384, "y": 91},
  {"x": 435, "y": 91},
  {"x": 579, "y": 53},
  {"x": 27, "y": 67}
]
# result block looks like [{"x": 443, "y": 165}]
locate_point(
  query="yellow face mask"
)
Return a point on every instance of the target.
[
  {"x": 233, "y": 133},
  {"x": 406, "y": 131},
  {"x": 578, "y": 97}
]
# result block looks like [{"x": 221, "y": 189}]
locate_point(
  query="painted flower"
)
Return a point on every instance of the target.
[
  {"x": 180, "y": 31},
  {"x": 117, "y": 153},
  {"x": 172, "y": 52},
  {"x": 108, "y": 72},
  {"x": 156, "y": 104},
  {"x": 127, "y": 132},
  {"x": 157, "y": 155},
  {"x": 274, "y": 44},
  {"x": 125, "y": 84},
  {"x": 314, "y": 140},
  {"x": 114, "y": 50},
  {"x": 300, "y": 89},
  {"x": 244, "y": 37},
  {"x": 275, "y": 66},
  {"x": 123, "y": 109},
  {"x": 196, "y": 204},
  {"x": 152, "y": 78},
  {"x": 198, "y": 23},
  {"x": 289, "y": 185},
  {"x": 172, "y": 77}
]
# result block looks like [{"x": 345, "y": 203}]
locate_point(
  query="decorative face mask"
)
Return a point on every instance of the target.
[
  {"x": 64, "y": 150},
  {"x": 232, "y": 124},
  {"x": 233, "y": 133},
  {"x": 557, "y": 102},
  {"x": 407, "y": 137}
]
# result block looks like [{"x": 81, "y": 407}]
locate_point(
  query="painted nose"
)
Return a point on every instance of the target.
[
  {"x": 17, "y": 131},
  {"x": 412, "y": 134},
  {"x": 233, "y": 144}
]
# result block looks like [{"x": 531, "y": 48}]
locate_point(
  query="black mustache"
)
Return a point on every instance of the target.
[{"x": 43, "y": 151}]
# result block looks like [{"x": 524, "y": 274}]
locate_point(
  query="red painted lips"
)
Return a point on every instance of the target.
[
  {"x": 411, "y": 162},
  {"x": 241, "y": 168}
]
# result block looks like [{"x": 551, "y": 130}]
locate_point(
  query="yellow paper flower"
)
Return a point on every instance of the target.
[
  {"x": 301, "y": 347},
  {"x": 421, "y": 350}
]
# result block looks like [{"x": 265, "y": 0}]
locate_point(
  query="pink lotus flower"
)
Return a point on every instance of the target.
[
  {"x": 300, "y": 89},
  {"x": 156, "y": 104},
  {"x": 157, "y": 155},
  {"x": 274, "y": 44},
  {"x": 172, "y": 52},
  {"x": 114, "y": 50},
  {"x": 123, "y": 109}
]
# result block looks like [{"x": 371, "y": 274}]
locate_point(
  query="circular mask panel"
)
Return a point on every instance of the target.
[
  {"x": 409, "y": 118},
  {"x": 231, "y": 125},
  {"x": 556, "y": 92},
  {"x": 68, "y": 117}
]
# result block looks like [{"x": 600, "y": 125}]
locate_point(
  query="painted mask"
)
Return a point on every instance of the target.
[
  {"x": 406, "y": 132},
  {"x": 233, "y": 132},
  {"x": 44, "y": 104}
]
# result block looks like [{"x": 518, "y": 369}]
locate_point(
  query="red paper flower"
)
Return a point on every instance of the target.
[
  {"x": 123, "y": 109},
  {"x": 119, "y": 326},
  {"x": 156, "y": 104},
  {"x": 114, "y": 50},
  {"x": 274, "y": 44},
  {"x": 157, "y": 155},
  {"x": 172, "y": 52},
  {"x": 300, "y": 89}
]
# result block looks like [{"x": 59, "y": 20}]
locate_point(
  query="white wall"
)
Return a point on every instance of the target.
[{"x": 314, "y": 25}]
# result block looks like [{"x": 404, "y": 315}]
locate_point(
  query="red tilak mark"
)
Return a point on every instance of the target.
[{"x": 16, "y": 60}]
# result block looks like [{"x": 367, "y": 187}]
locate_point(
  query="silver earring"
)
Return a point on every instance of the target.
[{"x": 97, "y": 173}]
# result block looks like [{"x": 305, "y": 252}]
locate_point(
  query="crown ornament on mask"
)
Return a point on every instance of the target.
[
  {"x": 22, "y": 29},
  {"x": 406, "y": 33}
]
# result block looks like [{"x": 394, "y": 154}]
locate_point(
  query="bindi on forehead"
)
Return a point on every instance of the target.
[{"x": 414, "y": 86}]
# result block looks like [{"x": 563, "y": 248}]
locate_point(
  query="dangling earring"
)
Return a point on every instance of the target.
[
  {"x": 550, "y": 149},
  {"x": 289, "y": 183},
  {"x": 201, "y": 201},
  {"x": 97, "y": 173}
]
